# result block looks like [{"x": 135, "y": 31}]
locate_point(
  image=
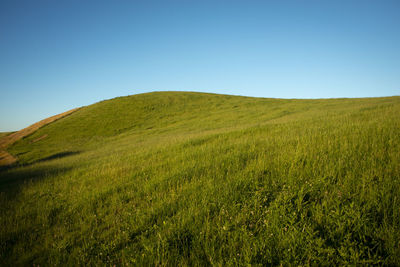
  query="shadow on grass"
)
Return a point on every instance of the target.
[
  {"x": 14, "y": 176},
  {"x": 58, "y": 156},
  {"x": 12, "y": 179},
  {"x": 51, "y": 157}
]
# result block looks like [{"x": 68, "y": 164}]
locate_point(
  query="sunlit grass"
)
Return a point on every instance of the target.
[{"x": 202, "y": 179}]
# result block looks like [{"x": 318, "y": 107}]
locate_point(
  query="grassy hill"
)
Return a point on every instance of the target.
[{"x": 186, "y": 178}]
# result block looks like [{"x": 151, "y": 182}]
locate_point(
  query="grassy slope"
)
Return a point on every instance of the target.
[
  {"x": 193, "y": 178},
  {"x": 4, "y": 134}
]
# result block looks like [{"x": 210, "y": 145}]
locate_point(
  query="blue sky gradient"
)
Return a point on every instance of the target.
[{"x": 58, "y": 55}]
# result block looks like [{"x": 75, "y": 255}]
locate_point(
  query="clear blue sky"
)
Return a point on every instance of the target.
[{"x": 57, "y": 55}]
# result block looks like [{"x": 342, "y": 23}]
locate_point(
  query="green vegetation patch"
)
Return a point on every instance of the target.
[{"x": 174, "y": 178}]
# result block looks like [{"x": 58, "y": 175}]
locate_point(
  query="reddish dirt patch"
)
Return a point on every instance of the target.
[{"x": 6, "y": 141}]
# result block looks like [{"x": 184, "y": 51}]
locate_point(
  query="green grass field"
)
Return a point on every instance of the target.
[{"x": 179, "y": 178}]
